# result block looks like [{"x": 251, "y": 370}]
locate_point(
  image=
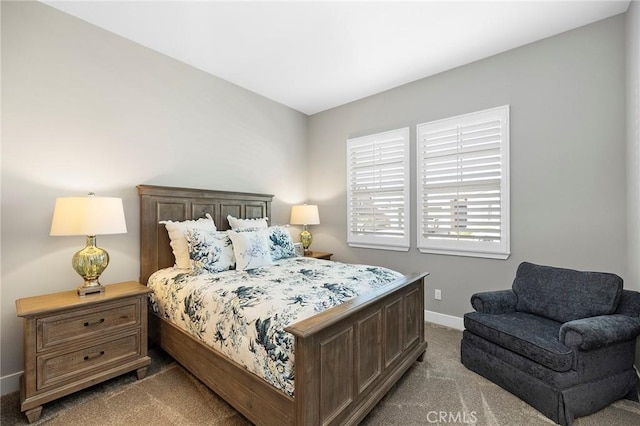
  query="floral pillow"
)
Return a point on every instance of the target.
[
  {"x": 177, "y": 237},
  {"x": 251, "y": 248},
  {"x": 280, "y": 243},
  {"x": 237, "y": 224},
  {"x": 210, "y": 251}
]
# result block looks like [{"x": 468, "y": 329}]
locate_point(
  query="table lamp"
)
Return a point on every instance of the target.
[
  {"x": 89, "y": 216},
  {"x": 305, "y": 214}
]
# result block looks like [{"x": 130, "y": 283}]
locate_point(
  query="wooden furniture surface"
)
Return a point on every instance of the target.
[
  {"x": 72, "y": 342},
  {"x": 319, "y": 255},
  {"x": 346, "y": 358}
]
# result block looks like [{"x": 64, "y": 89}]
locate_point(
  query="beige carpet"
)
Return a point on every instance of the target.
[{"x": 439, "y": 390}]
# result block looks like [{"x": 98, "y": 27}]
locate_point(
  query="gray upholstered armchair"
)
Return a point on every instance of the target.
[{"x": 564, "y": 341}]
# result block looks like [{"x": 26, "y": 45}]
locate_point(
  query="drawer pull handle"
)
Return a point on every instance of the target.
[
  {"x": 100, "y": 321},
  {"x": 88, "y": 357}
]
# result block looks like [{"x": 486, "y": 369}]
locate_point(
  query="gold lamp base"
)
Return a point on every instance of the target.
[
  {"x": 84, "y": 289},
  {"x": 306, "y": 238},
  {"x": 89, "y": 263}
]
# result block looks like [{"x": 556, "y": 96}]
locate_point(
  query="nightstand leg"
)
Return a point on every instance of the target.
[
  {"x": 421, "y": 357},
  {"x": 141, "y": 372},
  {"x": 33, "y": 415}
]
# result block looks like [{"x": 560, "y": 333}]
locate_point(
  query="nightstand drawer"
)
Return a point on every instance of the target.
[
  {"x": 58, "y": 367},
  {"x": 82, "y": 324}
]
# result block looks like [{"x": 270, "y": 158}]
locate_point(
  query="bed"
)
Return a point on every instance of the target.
[{"x": 346, "y": 357}]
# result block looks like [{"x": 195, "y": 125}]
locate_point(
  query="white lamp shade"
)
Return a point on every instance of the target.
[
  {"x": 306, "y": 214},
  {"x": 88, "y": 216}
]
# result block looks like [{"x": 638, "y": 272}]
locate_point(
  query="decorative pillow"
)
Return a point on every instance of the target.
[
  {"x": 280, "y": 243},
  {"x": 251, "y": 249},
  {"x": 236, "y": 223},
  {"x": 178, "y": 242},
  {"x": 210, "y": 251}
]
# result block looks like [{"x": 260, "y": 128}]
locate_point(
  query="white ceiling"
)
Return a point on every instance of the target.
[{"x": 312, "y": 56}]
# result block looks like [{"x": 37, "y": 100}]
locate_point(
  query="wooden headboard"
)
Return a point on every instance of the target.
[{"x": 167, "y": 203}]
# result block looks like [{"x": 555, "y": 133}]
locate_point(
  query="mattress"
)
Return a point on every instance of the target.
[{"x": 242, "y": 314}]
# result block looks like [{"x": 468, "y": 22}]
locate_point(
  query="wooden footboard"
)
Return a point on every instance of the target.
[{"x": 348, "y": 357}]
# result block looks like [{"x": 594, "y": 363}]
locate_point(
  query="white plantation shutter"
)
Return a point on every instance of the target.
[
  {"x": 463, "y": 184},
  {"x": 378, "y": 190}
]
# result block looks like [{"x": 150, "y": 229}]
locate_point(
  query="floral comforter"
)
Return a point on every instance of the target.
[{"x": 243, "y": 314}]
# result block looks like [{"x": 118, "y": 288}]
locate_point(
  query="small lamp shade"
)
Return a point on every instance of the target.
[
  {"x": 306, "y": 214},
  {"x": 89, "y": 216}
]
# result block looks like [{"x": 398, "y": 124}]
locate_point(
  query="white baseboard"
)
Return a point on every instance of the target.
[
  {"x": 444, "y": 319},
  {"x": 10, "y": 383}
]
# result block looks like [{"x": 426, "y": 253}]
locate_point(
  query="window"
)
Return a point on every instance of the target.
[
  {"x": 463, "y": 185},
  {"x": 378, "y": 191}
]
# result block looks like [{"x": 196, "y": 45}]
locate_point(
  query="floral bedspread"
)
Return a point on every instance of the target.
[{"x": 243, "y": 314}]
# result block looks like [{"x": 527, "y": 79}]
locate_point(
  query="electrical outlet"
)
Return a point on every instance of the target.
[{"x": 438, "y": 294}]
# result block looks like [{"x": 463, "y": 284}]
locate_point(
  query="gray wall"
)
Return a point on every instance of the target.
[
  {"x": 633, "y": 146},
  {"x": 568, "y": 182},
  {"x": 84, "y": 110}
]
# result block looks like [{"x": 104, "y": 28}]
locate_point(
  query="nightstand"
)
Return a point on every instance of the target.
[
  {"x": 72, "y": 342},
  {"x": 318, "y": 255}
]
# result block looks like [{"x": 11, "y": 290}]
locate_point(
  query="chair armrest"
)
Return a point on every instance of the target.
[
  {"x": 600, "y": 331},
  {"x": 494, "y": 302}
]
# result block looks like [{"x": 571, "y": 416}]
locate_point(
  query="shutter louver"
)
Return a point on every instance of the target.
[
  {"x": 378, "y": 190},
  {"x": 462, "y": 167}
]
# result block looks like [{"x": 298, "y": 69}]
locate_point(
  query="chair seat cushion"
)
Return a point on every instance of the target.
[{"x": 528, "y": 335}]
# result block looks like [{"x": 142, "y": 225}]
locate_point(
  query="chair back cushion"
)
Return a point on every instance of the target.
[{"x": 564, "y": 294}]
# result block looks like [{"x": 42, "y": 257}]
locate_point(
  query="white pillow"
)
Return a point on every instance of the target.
[
  {"x": 236, "y": 223},
  {"x": 210, "y": 251},
  {"x": 178, "y": 239},
  {"x": 251, "y": 249}
]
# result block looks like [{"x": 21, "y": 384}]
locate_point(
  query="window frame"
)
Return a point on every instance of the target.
[
  {"x": 381, "y": 241},
  {"x": 460, "y": 246}
]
